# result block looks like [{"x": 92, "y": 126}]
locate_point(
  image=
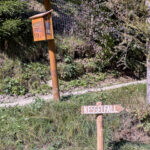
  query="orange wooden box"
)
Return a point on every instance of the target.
[{"x": 42, "y": 26}]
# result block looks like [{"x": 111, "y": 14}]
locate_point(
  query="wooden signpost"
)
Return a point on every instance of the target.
[
  {"x": 99, "y": 110},
  {"x": 43, "y": 30}
]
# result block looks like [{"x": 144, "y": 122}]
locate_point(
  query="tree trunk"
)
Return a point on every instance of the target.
[
  {"x": 148, "y": 80},
  {"x": 147, "y": 3},
  {"x": 148, "y": 70}
]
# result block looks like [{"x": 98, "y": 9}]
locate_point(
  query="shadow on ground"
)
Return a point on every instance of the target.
[
  {"x": 66, "y": 98},
  {"x": 118, "y": 145}
]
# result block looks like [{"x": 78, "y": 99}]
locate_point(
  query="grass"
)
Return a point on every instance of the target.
[
  {"x": 60, "y": 125},
  {"x": 67, "y": 45},
  {"x": 87, "y": 80},
  {"x": 18, "y": 78}
]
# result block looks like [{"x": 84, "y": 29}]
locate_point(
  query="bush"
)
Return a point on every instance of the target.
[
  {"x": 70, "y": 46},
  {"x": 18, "y": 78},
  {"x": 14, "y": 22},
  {"x": 14, "y": 86},
  {"x": 16, "y": 38},
  {"x": 90, "y": 65},
  {"x": 68, "y": 71},
  {"x": 116, "y": 35}
]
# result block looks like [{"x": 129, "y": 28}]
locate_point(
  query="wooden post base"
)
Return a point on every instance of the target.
[{"x": 99, "y": 122}]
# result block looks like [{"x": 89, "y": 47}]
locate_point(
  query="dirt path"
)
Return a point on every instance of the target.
[{"x": 10, "y": 101}]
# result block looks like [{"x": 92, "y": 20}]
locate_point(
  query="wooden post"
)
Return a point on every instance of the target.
[
  {"x": 47, "y": 5},
  {"x": 53, "y": 64},
  {"x": 99, "y": 110},
  {"x": 99, "y": 122}
]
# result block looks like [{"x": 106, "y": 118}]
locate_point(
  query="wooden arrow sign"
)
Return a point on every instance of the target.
[{"x": 102, "y": 109}]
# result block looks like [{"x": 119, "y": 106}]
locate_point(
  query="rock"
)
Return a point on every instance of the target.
[{"x": 49, "y": 83}]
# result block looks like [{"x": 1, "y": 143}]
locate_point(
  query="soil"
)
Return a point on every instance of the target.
[
  {"x": 131, "y": 131},
  {"x": 108, "y": 81}
]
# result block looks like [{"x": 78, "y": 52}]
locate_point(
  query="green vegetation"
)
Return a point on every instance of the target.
[
  {"x": 60, "y": 125},
  {"x": 70, "y": 70},
  {"x": 89, "y": 50},
  {"x": 115, "y": 41},
  {"x": 68, "y": 46},
  {"x": 14, "y": 27},
  {"x": 18, "y": 78},
  {"x": 116, "y": 32},
  {"x": 85, "y": 53},
  {"x": 125, "y": 145},
  {"x": 16, "y": 40},
  {"x": 87, "y": 80}
]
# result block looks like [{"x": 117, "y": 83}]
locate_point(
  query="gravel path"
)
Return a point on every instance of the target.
[{"x": 10, "y": 101}]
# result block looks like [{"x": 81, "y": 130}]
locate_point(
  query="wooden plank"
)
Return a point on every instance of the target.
[
  {"x": 41, "y": 14},
  {"x": 38, "y": 29},
  {"x": 103, "y": 109},
  {"x": 49, "y": 27}
]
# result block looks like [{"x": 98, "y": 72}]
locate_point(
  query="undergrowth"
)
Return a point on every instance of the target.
[{"x": 18, "y": 78}]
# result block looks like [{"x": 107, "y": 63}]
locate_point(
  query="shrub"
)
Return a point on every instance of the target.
[
  {"x": 91, "y": 65},
  {"x": 14, "y": 22},
  {"x": 70, "y": 71},
  {"x": 115, "y": 31},
  {"x": 16, "y": 38},
  {"x": 18, "y": 78},
  {"x": 14, "y": 86},
  {"x": 70, "y": 46}
]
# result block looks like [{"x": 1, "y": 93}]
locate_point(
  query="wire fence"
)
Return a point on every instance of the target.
[{"x": 63, "y": 16}]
